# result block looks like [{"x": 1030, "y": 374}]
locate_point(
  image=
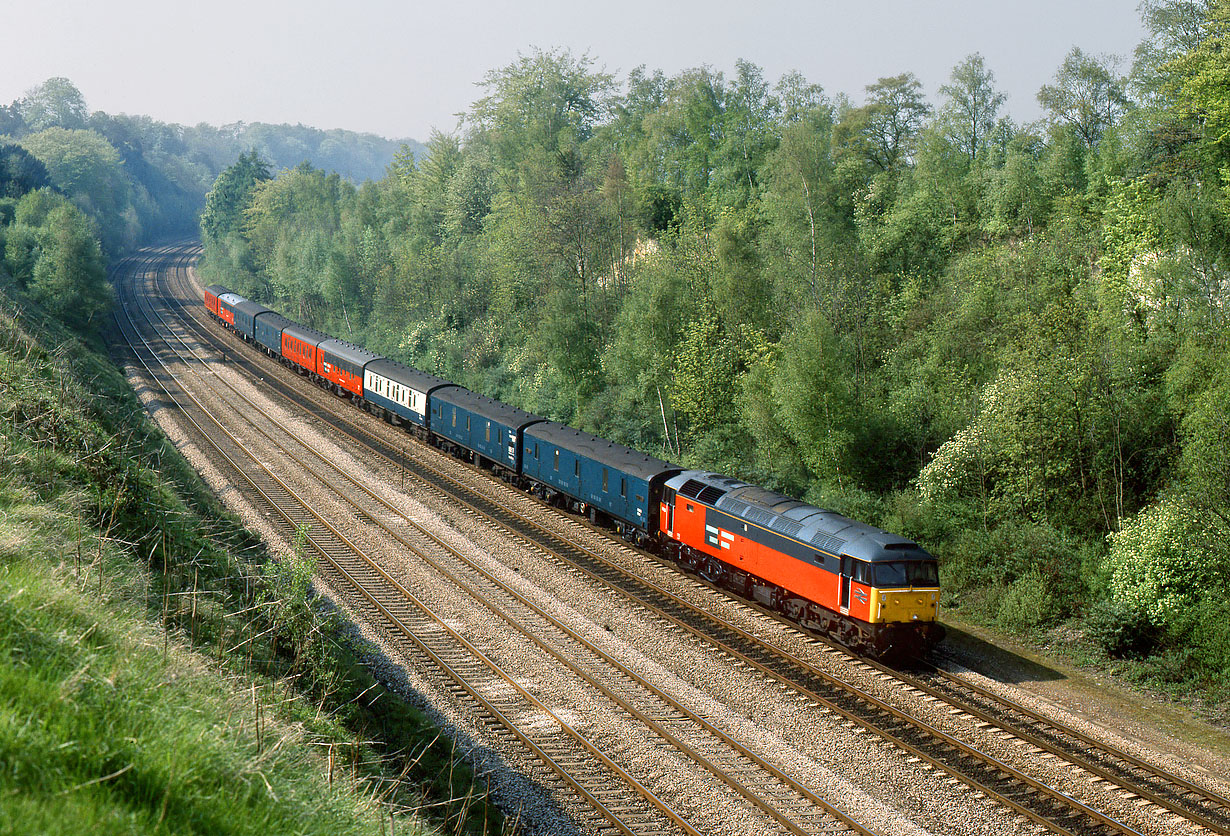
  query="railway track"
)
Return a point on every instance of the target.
[
  {"x": 764, "y": 788},
  {"x": 1033, "y": 799}
]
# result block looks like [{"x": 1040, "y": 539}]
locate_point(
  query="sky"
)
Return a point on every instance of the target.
[{"x": 400, "y": 69}]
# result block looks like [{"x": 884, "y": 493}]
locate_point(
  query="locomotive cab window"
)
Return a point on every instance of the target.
[{"x": 907, "y": 573}]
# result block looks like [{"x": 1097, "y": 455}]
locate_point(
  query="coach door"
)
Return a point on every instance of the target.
[
  {"x": 847, "y": 565},
  {"x": 668, "y": 500}
]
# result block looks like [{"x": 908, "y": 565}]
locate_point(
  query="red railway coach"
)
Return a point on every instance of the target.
[
  {"x": 341, "y": 363},
  {"x": 299, "y": 346},
  {"x": 211, "y": 298}
]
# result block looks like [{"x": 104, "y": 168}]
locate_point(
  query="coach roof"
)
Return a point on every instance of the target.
[
  {"x": 406, "y": 376},
  {"x": 617, "y": 456}
]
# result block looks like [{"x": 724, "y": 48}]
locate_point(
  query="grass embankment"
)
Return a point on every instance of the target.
[{"x": 157, "y": 672}]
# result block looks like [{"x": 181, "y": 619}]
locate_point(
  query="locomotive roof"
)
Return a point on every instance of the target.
[
  {"x": 617, "y": 456},
  {"x": 231, "y": 298},
  {"x": 818, "y": 527},
  {"x": 407, "y": 376},
  {"x": 303, "y": 332},
  {"x": 488, "y": 408},
  {"x": 217, "y": 289},
  {"x": 356, "y": 354}
]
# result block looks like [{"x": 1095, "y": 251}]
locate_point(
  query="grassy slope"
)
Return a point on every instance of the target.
[{"x": 108, "y": 723}]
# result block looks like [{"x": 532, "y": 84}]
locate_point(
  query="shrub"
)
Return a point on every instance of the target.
[
  {"x": 1120, "y": 630},
  {"x": 1028, "y": 602}
]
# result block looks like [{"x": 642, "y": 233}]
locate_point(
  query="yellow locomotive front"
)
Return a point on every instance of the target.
[{"x": 905, "y": 604}]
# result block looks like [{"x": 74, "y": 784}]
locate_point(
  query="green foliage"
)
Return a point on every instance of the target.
[
  {"x": 56, "y": 103},
  {"x": 1121, "y": 631},
  {"x": 51, "y": 251},
  {"x": 1003, "y": 340},
  {"x": 20, "y": 171},
  {"x": 230, "y": 196},
  {"x": 972, "y": 105},
  {"x": 1086, "y": 95},
  {"x": 1027, "y": 604}
]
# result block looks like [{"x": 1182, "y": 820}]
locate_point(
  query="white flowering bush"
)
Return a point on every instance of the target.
[
  {"x": 1159, "y": 563},
  {"x": 955, "y": 467}
]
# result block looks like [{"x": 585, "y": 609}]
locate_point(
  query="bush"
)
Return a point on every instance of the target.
[
  {"x": 1028, "y": 602},
  {"x": 1120, "y": 630}
]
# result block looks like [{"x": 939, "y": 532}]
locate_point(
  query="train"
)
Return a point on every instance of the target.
[{"x": 874, "y": 592}]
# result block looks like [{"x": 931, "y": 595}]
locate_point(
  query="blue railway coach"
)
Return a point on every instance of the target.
[
  {"x": 246, "y": 312},
  {"x": 617, "y": 481},
  {"x": 268, "y": 332},
  {"x": 480, "y": 424},
  {"x": 399, "y": 392}
]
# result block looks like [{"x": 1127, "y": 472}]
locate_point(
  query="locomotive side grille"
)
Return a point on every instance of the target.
[
  {"x": 788, "y": 527},
  {"x": 759, "y": 515},
  {"x": 710, "y": 495},
  {"x": 734, "y": 507},
  {"x": 827, "y": 542}
]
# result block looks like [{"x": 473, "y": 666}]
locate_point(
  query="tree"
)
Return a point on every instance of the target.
[
  {"x": 230, "y": 196},
  {"x": 885, "y": 130},
  {"x": 1086, "y": 95},
  {"x": 972, "y": 106},
  {"x": 87, "y": 168},
  {"x": 1174, "y": 27},
  {"x": 546, "y": 100},
  {"x": 815, "y": 398},
  {"x": 11, "y": 123},
  {"x": 20, "y": 171},
  {"x": 70, "y": 277},
  {"x": 54, "y": 103}
]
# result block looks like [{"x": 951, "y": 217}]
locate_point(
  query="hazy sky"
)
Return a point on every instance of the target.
[{"x": 401, "y": 68}]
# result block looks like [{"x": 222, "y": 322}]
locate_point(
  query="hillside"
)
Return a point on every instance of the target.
[{"x": 143, "y": 682}]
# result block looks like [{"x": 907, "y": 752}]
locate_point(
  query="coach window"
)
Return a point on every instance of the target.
[
  {"x": 487, "y": 437},
  {"x": 535, "y": 449},
  {"x": 576, "y": 469},
  {"x": 623, "y": 487},
  {"x": 557, "y": 460},
  {"x": 454, "y": 417},
  {"x": 604, "y": 476}
]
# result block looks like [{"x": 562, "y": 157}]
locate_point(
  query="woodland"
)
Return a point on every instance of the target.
[{"x": 1007, "y": 341}]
